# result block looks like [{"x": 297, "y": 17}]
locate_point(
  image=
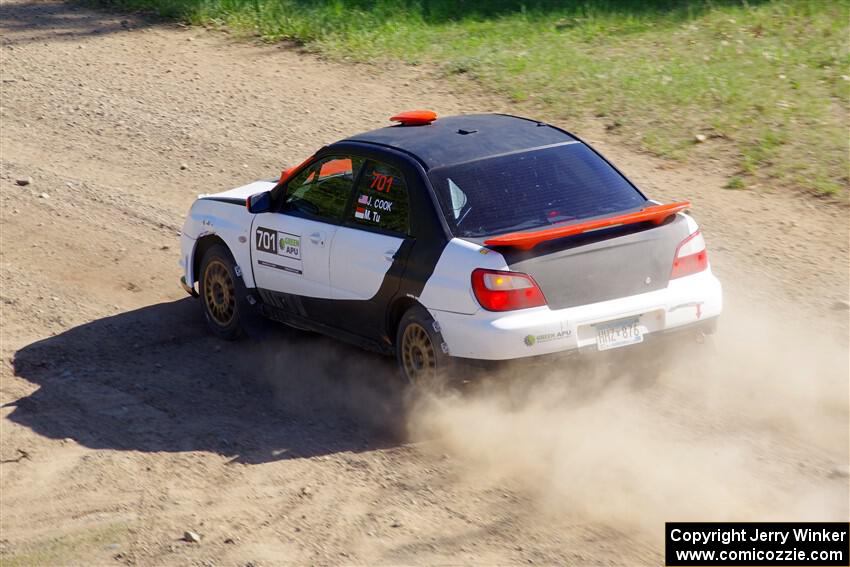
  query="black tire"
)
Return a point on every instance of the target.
[
  {"x": 220, "y": 289},
  {"x": 421, "y": 353}
]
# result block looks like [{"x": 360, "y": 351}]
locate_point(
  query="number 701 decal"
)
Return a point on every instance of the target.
[
  {"x": 266, "y": 240},
  {"x": 280, "y": 243},
  {"x": 381, "y": 182}
]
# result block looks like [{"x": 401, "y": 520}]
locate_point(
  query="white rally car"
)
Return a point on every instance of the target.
[{"x": 486, "y": 237}]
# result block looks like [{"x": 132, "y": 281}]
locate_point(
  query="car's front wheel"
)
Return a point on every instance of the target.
[
  {"x": 420, "y": 351},
  {"x": 218, "y": 290}
]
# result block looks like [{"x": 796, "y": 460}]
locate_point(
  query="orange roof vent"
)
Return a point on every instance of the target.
[{"x": 415, "y": 117}]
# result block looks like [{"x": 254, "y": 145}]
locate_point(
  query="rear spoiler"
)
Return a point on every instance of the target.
[{"x": 655, "y": 214}]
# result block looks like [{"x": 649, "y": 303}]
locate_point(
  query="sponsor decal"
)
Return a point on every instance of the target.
[
  {"x": 483, "y": 250},
  {"x": 289, "y": 245},
  {"x": 279, "y": 267},
  {"x": 280, "y": 244},
  {"x": 531, "y": 340}
]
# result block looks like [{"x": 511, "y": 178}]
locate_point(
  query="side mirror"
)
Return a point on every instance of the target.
[{"x": 259, "y": 203}]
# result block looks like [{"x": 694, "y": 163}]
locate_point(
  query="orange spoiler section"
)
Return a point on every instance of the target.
[
  {"x": 528, "y": 240},
  {"x": 330, "y": 168},
  {"x": 287, "y": 173}
]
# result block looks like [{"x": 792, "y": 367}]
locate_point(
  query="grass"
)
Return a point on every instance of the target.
[
  {"x": 766, "y": 82},
  {"x": 735, "y": 183}
]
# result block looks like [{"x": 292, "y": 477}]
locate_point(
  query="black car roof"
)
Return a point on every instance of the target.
[{"x": 457, "y": 139}]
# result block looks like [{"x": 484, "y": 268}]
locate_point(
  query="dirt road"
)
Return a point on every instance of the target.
[{"x": 124, "y": 424}]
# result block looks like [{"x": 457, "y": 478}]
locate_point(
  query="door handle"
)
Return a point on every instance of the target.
[
  {"x": 317, "y": 238},
  {"x": 389, "y": 255}
]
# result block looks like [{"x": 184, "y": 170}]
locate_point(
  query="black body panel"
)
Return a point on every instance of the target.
[
  {"x": 228, "y": 200},
  {"x": 602, "y": 265},
  {"x": 456, "y": 139},
  {"x": 366, "y": 318},
  {"x": 289, "y": 309}
]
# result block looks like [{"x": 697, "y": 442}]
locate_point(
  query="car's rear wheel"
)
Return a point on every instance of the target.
[
  {"x": 420, "y": 351},
  {"x": 218, "y": 285}
]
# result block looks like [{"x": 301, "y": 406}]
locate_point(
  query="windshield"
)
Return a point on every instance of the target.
[{"x": 531, "y": 189}]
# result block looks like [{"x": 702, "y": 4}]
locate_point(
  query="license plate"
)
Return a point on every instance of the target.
[{"x": 620, "y": 333}]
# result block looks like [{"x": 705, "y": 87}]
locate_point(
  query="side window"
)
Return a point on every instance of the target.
[
  {"x": 380, "y": 199},
  {"x": 323, "y": 189}
]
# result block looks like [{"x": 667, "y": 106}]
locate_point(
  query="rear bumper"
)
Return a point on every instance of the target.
[{"x": 684, "y": 304}]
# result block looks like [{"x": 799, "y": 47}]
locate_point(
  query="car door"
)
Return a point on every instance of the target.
[
  {"x": 366, "y": 254},
  {"x": 291, "y": 247}
]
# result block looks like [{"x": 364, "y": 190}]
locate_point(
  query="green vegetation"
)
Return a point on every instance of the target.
[
  {"x": 767, "y": 83},
  {"x": 735, "y": 183}
]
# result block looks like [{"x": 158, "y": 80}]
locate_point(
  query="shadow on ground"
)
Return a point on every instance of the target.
[
  {"x": 154, "y": 380},
  {"x": 30, "y": 22}
]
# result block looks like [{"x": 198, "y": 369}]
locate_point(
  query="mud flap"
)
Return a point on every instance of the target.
[{"x": 255, "y": 326}]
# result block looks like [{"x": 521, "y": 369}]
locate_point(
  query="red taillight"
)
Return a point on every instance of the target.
[
  {"x": 505, "y": 291},
  {"x": 691, "y": 256}
]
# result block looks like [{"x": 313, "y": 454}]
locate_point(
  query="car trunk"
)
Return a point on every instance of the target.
[{"x": 601, "y": 265}]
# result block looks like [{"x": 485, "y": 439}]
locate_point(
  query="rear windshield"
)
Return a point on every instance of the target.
[{"x": 531, "y": 189}]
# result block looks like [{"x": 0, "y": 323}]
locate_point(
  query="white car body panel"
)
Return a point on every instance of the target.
[
  {"x": 359, "y": 262},
  {"x": 492, "y": 335},
  {"x": 242, "y": 192},
  {"x": 227, "y": 221},
  {"x": 305, "y": 268},
  {"x": 449, "y": 288}
]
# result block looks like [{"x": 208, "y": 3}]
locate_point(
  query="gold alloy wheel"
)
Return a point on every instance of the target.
[
  {"x": 219, "y": 293},
  {"x": 417, "y": 355}
]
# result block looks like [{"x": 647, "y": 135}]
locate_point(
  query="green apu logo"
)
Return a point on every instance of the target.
[
  {"x": 290, "y": 247},
  {"x": 531, "y": 340}
]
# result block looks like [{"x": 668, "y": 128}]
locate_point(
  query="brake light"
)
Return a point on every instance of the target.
[
  {"x": 505, "y": 291},
  {"x": 691, "y": 256}
]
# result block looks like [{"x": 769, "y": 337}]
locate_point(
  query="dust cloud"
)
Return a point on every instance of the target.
[
  {"x": 751, "y": 427},
  {"x": 322, "y": 381}
]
